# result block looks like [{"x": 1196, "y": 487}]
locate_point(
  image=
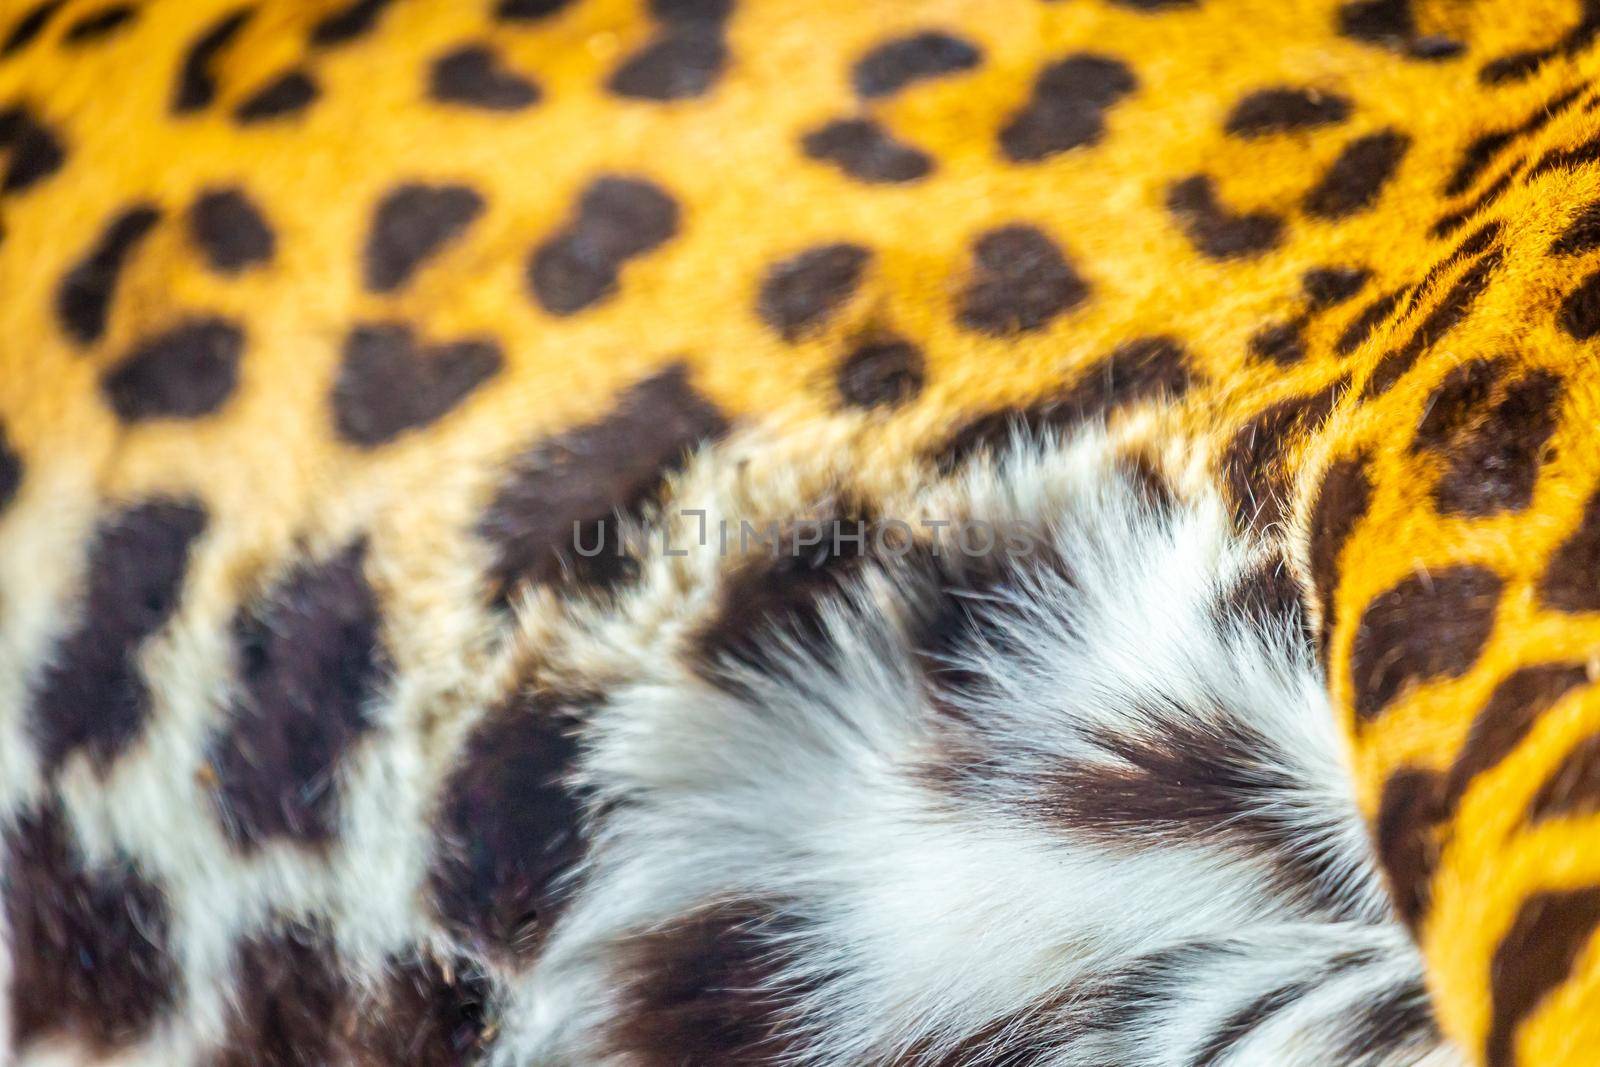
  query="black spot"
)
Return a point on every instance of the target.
[
  {"x": 801, "y": 292},
  {"x": 1476, "y": 244},
  {"x": 892, "y": 66},
  {"x": 30, "y": 26},
  {"x": 291, "y": 1002},
  {"x": 1450, "y": 312},
  {"x": 230, "y": 231},
  {"x": 1254, "y": 461},
  {"x": 706, "y": 988},
  {"x": 1406, "y": 835},
  {"x": 10, "y": 470},
  {"x": 880, "y": 372},
  {"x": 1388, "y": 22},
  {"x": 866, "y": 151},
  {"x": 509, "y": 825},
  {"x": 528, "y": 10},
  {"x": 1217, "y": 232},
  {"x": 1329, "y": 287},
  {"x": 567, "y": 492},
  {"x": 1342, "y": 500},
  {"x": 1509, "y": 715},
  {"x": 1486, "y": 148},
  {"x": 1428, "y": 626},
  {"x": 1522, "y": 65},
  {"x": 287, "y": 94},
  {"x": 89, "y": 947},
  {"x": 1573, "y": 788},
  {"x": 100, "y": 24},
  {"x": 473, "y": 75},
  {"x": 308, "y": 662},
  {"x": 1280, "y": 343},
  {"x": 616, "y": 220},
  {"x": 1269, "y": 111},
  {"x": 1068, "y": 106},
  {"x": 1356, "y": 178},
  {"x": 1434, "y": 47},
  {"x": 429, "y": 1014},
  {"x": 83, "y": 299},
  {"x": 196, "y": 87},
  {"x": 187, "y": 372},
  {"x": 1536, "y": 957},
  {"x": 1580, "y": 310},
  {"x": 343, "y": 26},
  {"x": 678, "y": 64},
  {"x": 1267, "y": 599},
  {"x": 1147, "y": 368},
  {"x": 1020, "y": 281},
  {"x": 92, "y": 695},
  {"x": 1555, "y": 159},
  {"x": 1572, "y": 581},
  {"x": 1361, "y": 327},
  {"x": 389, "y": 383},
  {"x": 1582, "y": 234},
  {"x": 1456, "y": 404},
  {"x": 1491, "y": 466},
  {"x": 35, "y": 150},
  {"x": 1224, "y": 1041},
  {"x": 1155, "y": 5},
  {"x": 411, "y": 223},
  {"x": 1451, "y": 221}
]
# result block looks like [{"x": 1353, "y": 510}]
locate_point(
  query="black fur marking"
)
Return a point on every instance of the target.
[
  {"x": 1452, "y": 309},
  {"x": 881, "y": 371},
  {"x": 1020, "y": 282},
  {"x": 892, "y": 66},
  {"x": 1486, "y": 148},
  {"x": 353, "y": 21},
  {"x": 411, "y": 223},
  {"x": 475, "y": 76},
  {"x": 1406, "y": 835},
  {"x": 185, "y": 373},
  {"x": 529, "y": 10},
  {"x": 92, "y": 695},
  {"x": 309, "y": 661},
  {"x": 292, "y": 999},
  {"x": 1327, "y": 287},
  {"x": 567, "y": 493},
  {"x": 288, "y": 94},
  {"x": 1068, "y": 107},
  {"x": 1569, "y": 582},
  {"x": 36, "y": 152},
  {"x": 100, "y": 24},
  {"x": 1361, "y": 327},
  {"x": 617, "y": 219},
  {"x": 799, "y": 294},
  {"x": 1216, "y": 231},
  {"x": 11, "y": 470},
  {"x": 867, "y": 152},
  {"x": 1536, "y": 956},
  {"x": 196, "y": 87},
  {"x": 1238, "y": 1026},
  {"x": 1357, "y": 177},
  {"x": 390, "y": 383},
  {"x": 30, "y": 26},
  {"x": 1398, "y": 1018},
  {"x": 1519, "y": 66},
  {"x": 1282, "y": 109},
  {"x": 83, "y": 299},
  {"x": 1427, "y": 627},
  {"x": 1253, "y": 465},
  {"x": 1505, "y": 720},
  {"x": 509, "y": 826},
  {"x": 230, "y": 231}
]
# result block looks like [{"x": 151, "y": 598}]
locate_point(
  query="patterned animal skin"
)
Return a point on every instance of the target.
[{"x": 332, "y": 331}]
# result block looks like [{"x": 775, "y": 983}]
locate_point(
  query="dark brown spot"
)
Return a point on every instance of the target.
[
  {"x": 681, "y": 63},
  {"x": 92, "y": 695},
  {"x": 1341, "y": 502},
  {"x": 1254, "y": 465},
  {"x": 1280, "y": 343},
  {"x": 1356, "y": 178},
  {"x": 1409, "y": 814},
  {"x": 185, "y": 373},
  {"x": 1475, "y": 244},
  {"x": 83, "y": 299},
  {"x": 29, "y": 26},
  {"x": 1216, "y": 231},
  {"x": 197, "y": 87},
  {"x": 389, "y": 383},
  {"x": 1582, "y": 234},
  {"x": 616, "y": 220},
  {"x": 1522, "y": 65},
  {"x": 1555, "y": 159},
  {"x": 427, "y": 1014},
  {"x": 35, "y": 151},
  {"x": 288, "y": 94},
  {"x": 353, "y": 21},
  {"x": 1573, "y": 788},
  {"x": 1269, "y": 111},
  {"x": 1452, "y": 221},
  {"x": 1267, "y": 599},
  {"x": 880, "y": 372},
  {"x": 309, "y": 662},
  {"x": 1486, "y": 148},
  {"x": 801, "y": 292},
  {"x": 528, "y": 10},
  {"x": 1580, "y": 310},
  {"x": 291, "y": 995},
  {"x": 1361, "y": 327},
  {"x": 895, "y": 64},
  {"x": 565, "y": 494},
  {"x": 1020, "y": 281},
  {"x": 100, "y": 24},
  {"x": 10, "y": 470},
  {"x": 1148, "y": 368},
  {"x": 866, "y": 151},
  {"x": 1385, "y": 22},
  {"x": 1572, "y": 581},
  {"x": 1068, "y": 107},
  {"x": 1429, "y": 626},
  {"x": 230, "y": 231},
  {"x": 1224, "y": 1041},
  {"x": 706, "y": 989},
  {"x": 1328, "y": 287},
  {"x": 1399, "y": 1017},
  {"x": 1492, "y": 465},
  {"x": 1452, "y": 309},
  {"x": 89, "y": 951},
  {"x": 411, "y": 223},
  {"x": 1456, "y": 403},
  {"x": 475, "y": 76},
  {"x": 509, "y": 826},
  {"x": 1509, "y": 715},
  {"x": 1536, "y": 956}
]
